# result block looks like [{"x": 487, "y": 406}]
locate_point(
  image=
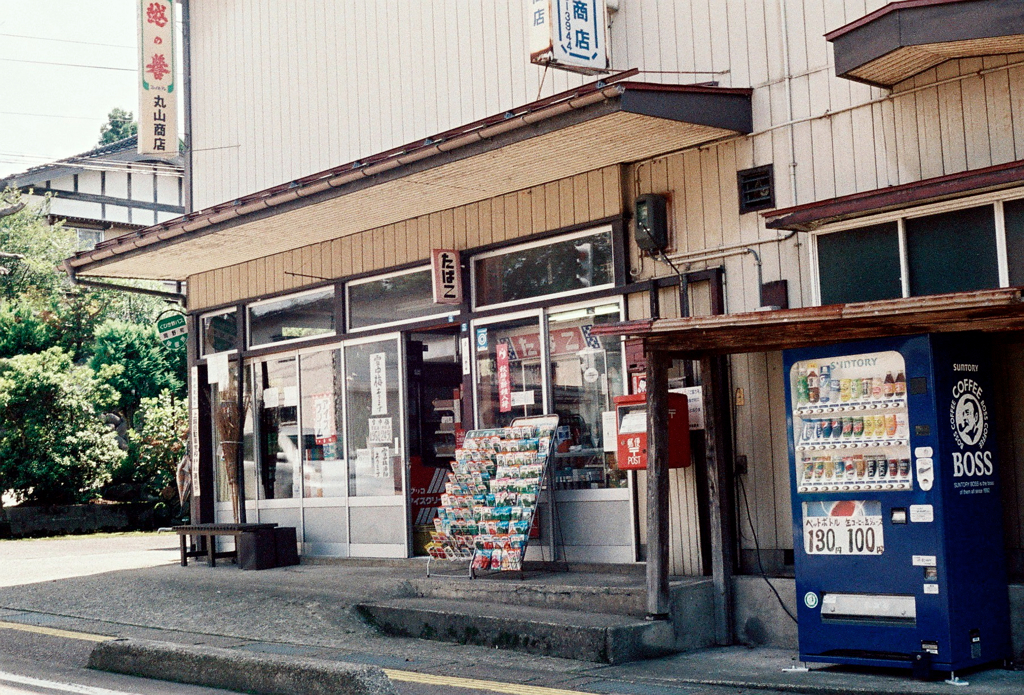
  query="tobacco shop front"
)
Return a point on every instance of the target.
[
  {"x": 336, "y": 361},
  {"x": 349, "y": 434}
]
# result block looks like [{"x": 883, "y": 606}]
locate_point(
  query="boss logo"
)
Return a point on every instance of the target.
[
  {"x": 972, "y": 463},
  {"x": 968, "y": 419}
]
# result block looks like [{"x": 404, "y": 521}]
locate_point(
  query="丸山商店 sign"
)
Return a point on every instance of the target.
[
  {"x": 158, "y": 98},
  {"x": 569, "y": 34}
]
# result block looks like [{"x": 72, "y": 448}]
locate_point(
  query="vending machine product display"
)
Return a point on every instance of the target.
[{"x": 896, "y": 514}]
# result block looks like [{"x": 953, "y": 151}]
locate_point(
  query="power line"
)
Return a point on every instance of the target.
[
  {"x": 68, "y": 65},
  {"x": 78, "y": 118},
  {"x": 84, "y": 43}
]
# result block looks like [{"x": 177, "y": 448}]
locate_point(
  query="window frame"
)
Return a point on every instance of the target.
[
  {"x": 547, "y": 241},
  {"x": 994, "y": 200},
  {"x": 291, "y": 341},
  {"x": 450, "y": 310},
  {"x": 202, "y": 333}
]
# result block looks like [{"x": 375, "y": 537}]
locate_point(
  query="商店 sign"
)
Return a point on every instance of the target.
[
  {"x": 158, "y": 98},
  {"x": 569, "y": 34}
]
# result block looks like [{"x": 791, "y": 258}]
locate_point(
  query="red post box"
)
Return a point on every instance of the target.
[{"x": 631, "y": 419}]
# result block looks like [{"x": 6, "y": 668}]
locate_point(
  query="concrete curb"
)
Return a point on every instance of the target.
[{"x": 262, "y": 674}]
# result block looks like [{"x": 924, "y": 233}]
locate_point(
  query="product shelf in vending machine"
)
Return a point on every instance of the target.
[{"x": 897, "y": 542}]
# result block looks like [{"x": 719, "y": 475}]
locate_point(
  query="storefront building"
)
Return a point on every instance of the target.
[{"x": 868, "y": 166}]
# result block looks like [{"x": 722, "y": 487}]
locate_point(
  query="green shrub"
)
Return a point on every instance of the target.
[{"x": 54, "y": 445}]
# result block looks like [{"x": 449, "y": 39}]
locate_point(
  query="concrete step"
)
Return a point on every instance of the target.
[
  {"x": 585, "y": 636},
  {"x": 563, "y": 592}
]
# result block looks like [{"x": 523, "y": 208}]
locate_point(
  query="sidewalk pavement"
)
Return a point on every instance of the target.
[{"x": 307, "y": 612}]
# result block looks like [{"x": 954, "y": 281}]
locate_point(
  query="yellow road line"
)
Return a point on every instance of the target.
[
  {"x": 52, "y": 632},
  {"x": 474, "y": 684}
]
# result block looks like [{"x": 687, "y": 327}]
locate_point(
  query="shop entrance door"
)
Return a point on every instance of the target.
[
  {"x": 374, "y": 404},
  {"x": 434, "y": 379}
]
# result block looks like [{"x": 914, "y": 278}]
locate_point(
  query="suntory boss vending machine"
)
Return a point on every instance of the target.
[{"x": 896, "y": 515}]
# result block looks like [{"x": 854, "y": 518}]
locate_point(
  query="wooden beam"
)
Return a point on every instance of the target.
[
  {"x": 658, "y": 603},
  {"x": 719, "y": 497}
]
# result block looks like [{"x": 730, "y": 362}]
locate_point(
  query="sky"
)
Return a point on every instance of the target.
[{"x": 50, "y": 111}]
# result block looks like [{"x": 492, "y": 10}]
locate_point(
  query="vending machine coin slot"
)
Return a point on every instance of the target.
[{"x": 899, "y": 515}]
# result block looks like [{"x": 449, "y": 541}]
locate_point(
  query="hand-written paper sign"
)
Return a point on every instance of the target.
[
  {"x": 379, "y": 383},
  {"x": 446, "y": 271},
  {"x": 158, "y": 99}
]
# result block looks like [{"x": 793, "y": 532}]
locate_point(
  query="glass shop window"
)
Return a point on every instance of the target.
[
  {"x": 860, "y": 265},
  {"x": 219, "y": 332},
  {"x": 394, "y": 298},
  {"x": 509, "y": 371},
  {"x": 229, "y": 432},
  {"x": 277, "y": 408},
  {"x": 323, "y": 453},
  {"x": 296, "y": 317},
  {"x": 1014, "y": 215},
  {"x": 586, "y": 374},
  {"x": 374, "y": 419},
  {"x": 555, "y": 267},
  {"x": 953, "y": 251}
]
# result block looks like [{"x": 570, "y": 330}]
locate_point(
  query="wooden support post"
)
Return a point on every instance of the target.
[
  {"x": 720, "y": 501},
  {"x": 658, "y": 602}
]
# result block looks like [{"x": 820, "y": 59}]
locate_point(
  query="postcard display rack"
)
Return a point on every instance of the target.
[{"x": 490, "y": 500}]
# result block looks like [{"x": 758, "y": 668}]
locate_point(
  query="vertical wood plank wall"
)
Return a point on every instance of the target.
[{"x": 277, "y": 103}]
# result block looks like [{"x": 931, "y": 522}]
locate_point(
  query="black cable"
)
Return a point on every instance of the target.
[{"x": 757, "y": 549}]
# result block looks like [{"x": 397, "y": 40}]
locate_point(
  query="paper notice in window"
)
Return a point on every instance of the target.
[{"x": 609, "y": 435}]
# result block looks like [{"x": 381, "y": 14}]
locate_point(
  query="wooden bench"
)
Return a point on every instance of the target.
[{"x": 210, "y": 533}]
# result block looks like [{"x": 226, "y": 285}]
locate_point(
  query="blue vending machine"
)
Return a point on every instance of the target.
[{"x": 897, "y": 520}]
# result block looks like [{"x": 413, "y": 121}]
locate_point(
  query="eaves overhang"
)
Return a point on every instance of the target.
[
  {"x": 608, "y": 122},
  {"x": 811, "y": 216},
  {"x": 991, "y": 311},
  {"x": 904, "y": 39}
]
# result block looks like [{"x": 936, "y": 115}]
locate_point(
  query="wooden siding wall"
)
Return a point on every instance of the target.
[{"x": 577, "y": 200}]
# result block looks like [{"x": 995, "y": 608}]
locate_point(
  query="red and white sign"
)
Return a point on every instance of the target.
[
  {"x": 324, "y": 431},
  {"x": 504, "y": 379},
  {"x": 158, "y": 98},
  {"x": 446, "y": 272}
]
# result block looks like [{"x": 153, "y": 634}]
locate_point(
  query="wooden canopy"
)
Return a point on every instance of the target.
[
  {"x": 905, "y": 38},
  {"x": 761, "y": 331}
]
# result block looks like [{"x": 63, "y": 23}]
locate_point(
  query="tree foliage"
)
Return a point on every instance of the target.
[
  {"x": 55, "y": 441},
  {"x": 54, "y": 445},
  {"x": 120, "y": 124},
  {"x": 158, "y": 442},
  {"x": 35, "y": 250},
  {"x": 148, "y": 367}
]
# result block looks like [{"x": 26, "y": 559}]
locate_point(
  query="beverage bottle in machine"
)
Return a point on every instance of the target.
[
  {"x": 813, "y": 390},
  {"x": 900, "y": 385},
  {"x": 889, "y": 385},
  {"x": 801, "y": 386}
]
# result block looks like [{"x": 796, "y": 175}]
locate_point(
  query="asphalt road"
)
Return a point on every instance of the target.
[
  {"x": 40, "y": 663},
  {"x": 58, "y": 596}
]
